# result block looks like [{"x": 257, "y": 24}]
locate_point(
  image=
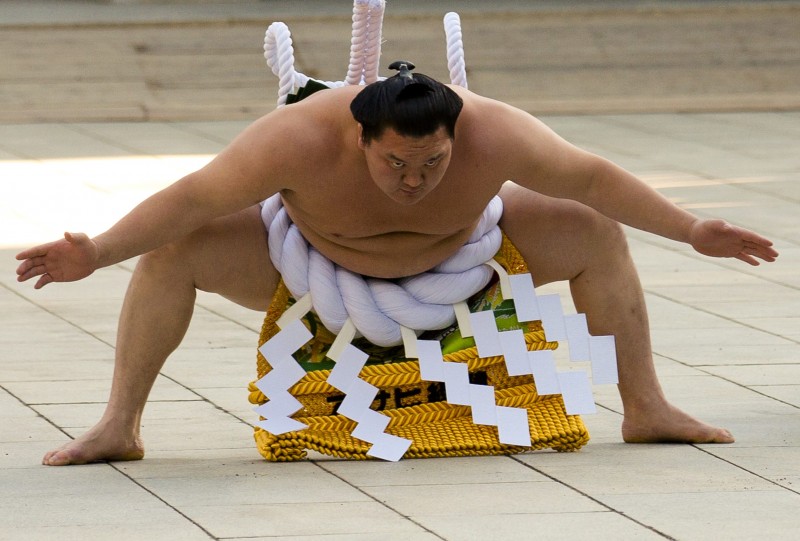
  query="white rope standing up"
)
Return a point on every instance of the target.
[
  {"x": 279, "y": 54},
  {"x": 365, "y": 43},
  {"x": 365, "y": 50},
  {"x": 455, "y": 50}
]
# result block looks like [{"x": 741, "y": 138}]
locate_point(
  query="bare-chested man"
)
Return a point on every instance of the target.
[{"x": 414, "y": 182}]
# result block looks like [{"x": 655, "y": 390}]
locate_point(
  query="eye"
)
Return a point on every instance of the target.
[
  {"x": 396, "y": 165},
  {"x": 431, "y": 163}
]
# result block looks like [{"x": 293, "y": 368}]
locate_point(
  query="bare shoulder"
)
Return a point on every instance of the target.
[
  {"x": 498, "y": 123},
  {"x": 523, "y": 148},
  {"x": 287, "y": 143},
  {"x": 313, "y": 124}
]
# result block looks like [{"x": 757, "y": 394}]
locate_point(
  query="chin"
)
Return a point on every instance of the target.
[{"x": 405, "y": 198}]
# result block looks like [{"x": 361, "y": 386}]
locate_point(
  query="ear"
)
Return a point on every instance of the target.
[{"x": 362, "y": 145}]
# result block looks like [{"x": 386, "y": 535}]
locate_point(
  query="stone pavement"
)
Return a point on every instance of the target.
[{"x": 726, "y": 337}]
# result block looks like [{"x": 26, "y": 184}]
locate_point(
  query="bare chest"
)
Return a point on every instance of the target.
[
  {"x": 352, "y": 208},
  {"x": 356, "y": 225}
]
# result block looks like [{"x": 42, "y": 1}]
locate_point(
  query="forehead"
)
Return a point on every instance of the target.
[{"x": 391, "y": 142}]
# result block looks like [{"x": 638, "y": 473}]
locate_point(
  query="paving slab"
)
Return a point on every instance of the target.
[
  {"x": 699, "y": 517},
  {"x": 725, "y": 335},
  {"x": 730, "y": 361}
]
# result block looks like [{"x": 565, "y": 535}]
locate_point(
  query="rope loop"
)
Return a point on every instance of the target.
[
  {"x": 378, "y": 308},
  {"x": 279, "y": 53}
]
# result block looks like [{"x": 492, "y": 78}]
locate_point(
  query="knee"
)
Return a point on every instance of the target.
[
  {"x": 172, "y": 259},
  {"x": 158, "y": 261},
  {"x": 612, "y": 231},
  {"x": 607, "y": 238}
]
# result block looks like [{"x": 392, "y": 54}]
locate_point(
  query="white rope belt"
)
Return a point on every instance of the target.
[{"x": 378, "y": 308}]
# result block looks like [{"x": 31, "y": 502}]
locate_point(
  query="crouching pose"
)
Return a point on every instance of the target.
[{"x": 386, "y": 180}]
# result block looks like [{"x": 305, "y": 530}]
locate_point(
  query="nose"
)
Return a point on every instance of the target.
[{"x": 413, "y": 180}]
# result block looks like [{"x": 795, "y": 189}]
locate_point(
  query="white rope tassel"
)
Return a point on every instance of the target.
[
  {"x": 372, "y": 52},
  {"x": 279, "y": 53},
  {"x": 378, "y": 308},
  {"x": 455, "y": 50},
  {"x": 355, "y": 72},
  {"x": 365, "y": 43}
]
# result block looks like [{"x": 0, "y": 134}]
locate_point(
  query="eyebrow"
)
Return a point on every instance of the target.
[{"x": 438, "y": 156}]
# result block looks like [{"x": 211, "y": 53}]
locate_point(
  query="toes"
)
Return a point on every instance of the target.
[
  {"x": 724, "y": 436},
  {"x": 57, "y": 458},
  {"x": 62, "y": 457}
]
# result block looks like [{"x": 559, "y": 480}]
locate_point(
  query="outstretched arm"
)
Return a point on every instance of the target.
[
  {"x": 620, "y": 195},
  {"x": 240, "y": 176},
  {"x": 544, "y": 162}
]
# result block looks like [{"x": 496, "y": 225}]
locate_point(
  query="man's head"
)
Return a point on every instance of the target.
[
  {"x": 412, "y": 104},
  {"x": 406, "y": 127}
]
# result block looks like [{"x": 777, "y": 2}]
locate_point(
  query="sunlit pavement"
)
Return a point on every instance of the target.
[{"x": 725, "y": 334}]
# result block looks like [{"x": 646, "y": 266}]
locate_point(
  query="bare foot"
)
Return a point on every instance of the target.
[
  {"x": 96, "y": 445},
  {"x": 668, "y": 424}
]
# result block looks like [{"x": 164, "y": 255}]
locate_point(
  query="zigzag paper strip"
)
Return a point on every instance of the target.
[
  {"x": 573, "y": 329},
  {"x": 285, "y": 373},
  {"x": 512, "y": 426},
  {"x": 359, "y": 396}
]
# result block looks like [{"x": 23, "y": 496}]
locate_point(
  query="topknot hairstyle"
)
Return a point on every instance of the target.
[{"x": 412, "y": 104}]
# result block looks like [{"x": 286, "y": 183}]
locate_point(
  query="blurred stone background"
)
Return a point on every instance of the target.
[{"x": 117, "y": 61}]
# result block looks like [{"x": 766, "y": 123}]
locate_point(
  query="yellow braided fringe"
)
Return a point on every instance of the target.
[{"x": 435, "y": 427}]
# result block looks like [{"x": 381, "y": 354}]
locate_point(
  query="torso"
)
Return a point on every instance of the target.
[{"x": 348, "y": 219}]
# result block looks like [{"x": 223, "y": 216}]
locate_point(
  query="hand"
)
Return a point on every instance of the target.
[
  {"x": 718, "y": 238},
  {"x": 66, "y": 260}
]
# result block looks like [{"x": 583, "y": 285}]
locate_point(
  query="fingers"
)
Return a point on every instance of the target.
[
  {"x": 762, "y": 245},
  {"x": 33, "y": 263},
  {"x": 750, "y": 260},
  {"x": 43, "y": 281},
  {"x": 33, "y": 267},
  {"x": 767, "y": 253},
  {"x": 750, "y": 236},
  {"x": 30, "y": 268},
  {"x": 754, "y": 246},
  {"x": 34, "y": 272},
  {"x": 751, "y": 251},
  {"x": 36, "y": 251}
]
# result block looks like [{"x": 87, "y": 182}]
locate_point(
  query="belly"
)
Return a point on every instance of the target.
[{"x": 390, "y": 255}]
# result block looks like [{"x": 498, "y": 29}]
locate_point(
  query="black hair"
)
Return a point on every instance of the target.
[{"x": 412, "y": 104}]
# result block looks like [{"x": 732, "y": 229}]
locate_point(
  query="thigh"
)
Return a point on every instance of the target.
[
  {"x": 229, "y": 256},
  {"x": 558, "y": 238}
]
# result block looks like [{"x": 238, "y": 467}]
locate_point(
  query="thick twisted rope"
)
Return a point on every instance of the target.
[
  {"x": 365, "y": 43},
  {"x": 372, "y": 50},
  {"x": 455, "y": 49},
  {"x": 378, "y": 308},
  {"x": 279, "y": 54},
  {"x": 365, "y": 50}
]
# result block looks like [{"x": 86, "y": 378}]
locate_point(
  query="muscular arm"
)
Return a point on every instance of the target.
[
  {"x": 233, "y": 180},
  {"x": 542, "y": 161},
  {"x": 241, "y": 175}
]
